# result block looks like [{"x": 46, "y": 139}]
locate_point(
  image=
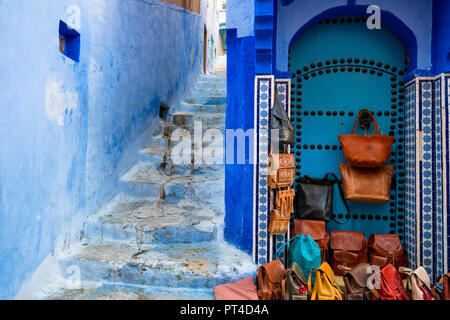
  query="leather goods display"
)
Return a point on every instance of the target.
[
  {"x": 348, "y": 248},
  {"x": 386, "y": 248},
  {"x": 279, "y": 221},
  {"x": 269, "y": 280},
  {"x": 325, "y": 285},
  {"x": 316, "y": 229},
  {"x": 280, "y": 121},
  {"x": 242, "y": 290},
  {"x": 366, "y": 151},
  {"x": 285, "y": 201},
  {"x": 304, "y": 251},
  {"x": 293, "y": 285},
  {"x": 390, "y": 285},
  {"x": 355, "y": 280},
  {"x": 314, "y": 198},
  {"x": 419, "y": 283},
  {"x": 443, "y": 282},
  {"x": 366, "y": 185},
  {"x": 281, "y": 170}
]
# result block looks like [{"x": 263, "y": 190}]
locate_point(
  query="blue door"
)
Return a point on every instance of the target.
[{"x": 339, "y": 67}]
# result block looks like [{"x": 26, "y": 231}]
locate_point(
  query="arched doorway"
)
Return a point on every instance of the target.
[{"x": 339, "y": 67}]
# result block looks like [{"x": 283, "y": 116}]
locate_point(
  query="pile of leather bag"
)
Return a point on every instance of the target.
[{"x": 356, "y": 270}]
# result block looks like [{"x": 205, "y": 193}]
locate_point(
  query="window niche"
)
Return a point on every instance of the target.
[{"x": 69, "y": 41}]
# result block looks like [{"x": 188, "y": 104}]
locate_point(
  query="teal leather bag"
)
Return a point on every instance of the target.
[{"x": 304, "y": 251}]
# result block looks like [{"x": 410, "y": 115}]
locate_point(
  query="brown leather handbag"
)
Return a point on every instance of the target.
[
  {"x": 348, "y": 249},
  {"x": 366, "y": 151},
  {"x": 269, "y": 280},
  {"x": 443, "y": 280},
  {"x": 386, "y": 248},
  {"x": 281, "y": 170},
  {"x": 355, "y": 281},
  {"x": 279, "y": 222},
  {"x": 366, "y": 185},
  {"x": 316, "y": 229}
]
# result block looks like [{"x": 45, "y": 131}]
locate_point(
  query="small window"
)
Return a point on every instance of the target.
[{"x": 69, "y": 41}]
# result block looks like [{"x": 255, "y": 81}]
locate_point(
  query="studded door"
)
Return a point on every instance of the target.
[{"x": 339, "y": 67}]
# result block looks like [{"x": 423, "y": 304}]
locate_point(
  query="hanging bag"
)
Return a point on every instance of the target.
[
  {"x": 280, "y": 121},
  {"x": 366, "y": 151},
  {"x": 366, "y": 185},
  {"x": 314, "y": 198}
]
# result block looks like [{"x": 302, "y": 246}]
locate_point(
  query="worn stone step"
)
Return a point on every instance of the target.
[
  {"x": 189, "y": 119},
  {"x": 169, "y": 128},
  {"x": 196, "y": 265},
  {"x": 162, "y": 160},
  {"x": 142, "y": 221},
  {"x": 218, "y": 85},
  {"x": 189, "y": 107},
  {"x": 145, "y": 180},
  {"x": 121, "y": 291},
  {"x": 207, "y": 100}
]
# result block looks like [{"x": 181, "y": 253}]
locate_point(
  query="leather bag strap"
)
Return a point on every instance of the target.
[
  {"x": 374, "y": 123},
  {"x": 341, "y": 192}
]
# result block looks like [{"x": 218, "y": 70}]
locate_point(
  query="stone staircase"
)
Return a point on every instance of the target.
[{"x": 162, "y": 235}]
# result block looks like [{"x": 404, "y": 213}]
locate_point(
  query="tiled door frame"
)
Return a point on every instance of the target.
[{"x": 426, "y": 163}]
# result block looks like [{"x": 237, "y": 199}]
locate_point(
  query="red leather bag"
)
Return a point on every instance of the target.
[
  {"x": 368, "y": 151},
  {"x": 390, "y": 285}
]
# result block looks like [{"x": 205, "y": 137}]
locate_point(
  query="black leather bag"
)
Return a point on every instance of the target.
[
  {"x": 314, "y": 198},
  {"x": 280, "y": 121}
]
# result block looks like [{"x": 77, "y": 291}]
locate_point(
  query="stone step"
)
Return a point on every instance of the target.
[
  {"x": 195, "y": 265},
  {"x": 208, "y": 92},
  {"x": 169, "y": 128},
  {"x": 149, "y": 222},
  {"x": 145, "y": 180},
  {"x": 120, "y": 291},
  {"x": 213, "y": 77},
  {"x": 162, "y": 160},
  {"x": 189, "y": 107},
  {"x": 207, "y": 100},
  {"x": 217, "y": 85},
  {"x": 188, "y": 119}
]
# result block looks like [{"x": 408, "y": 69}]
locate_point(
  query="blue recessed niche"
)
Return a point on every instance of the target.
[{"x": 69, "y": 41}]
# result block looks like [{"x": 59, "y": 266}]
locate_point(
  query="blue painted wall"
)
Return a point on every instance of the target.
[
  {"x": 240, "y": 77},
  {"x": 69, "y": 130},
  {"x": 441, "y": 36}
]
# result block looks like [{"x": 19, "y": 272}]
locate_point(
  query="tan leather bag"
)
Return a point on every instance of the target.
[
  {"x": 316, "y": 229},
  {"x": 419, "y": 283},
  {"x": 285, "y": 201},
  {"x": 366, "y": 185},
  {"x": 281, "y": 172},
  {"x": 369, "y": 151},
  {"x": 269, "y": 280},
  {"x": 386, "y": 248},
  {"x": 348, "y": 249},
  {"x": 279, "y": 222},
  {"x": 445, "y": 281}
]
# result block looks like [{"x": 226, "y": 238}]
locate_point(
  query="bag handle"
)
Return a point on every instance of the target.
[
  {"x": 374, "y": 122},
  {"x": 341, "y": 192},
  {"x": 284, "y": 245}
]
